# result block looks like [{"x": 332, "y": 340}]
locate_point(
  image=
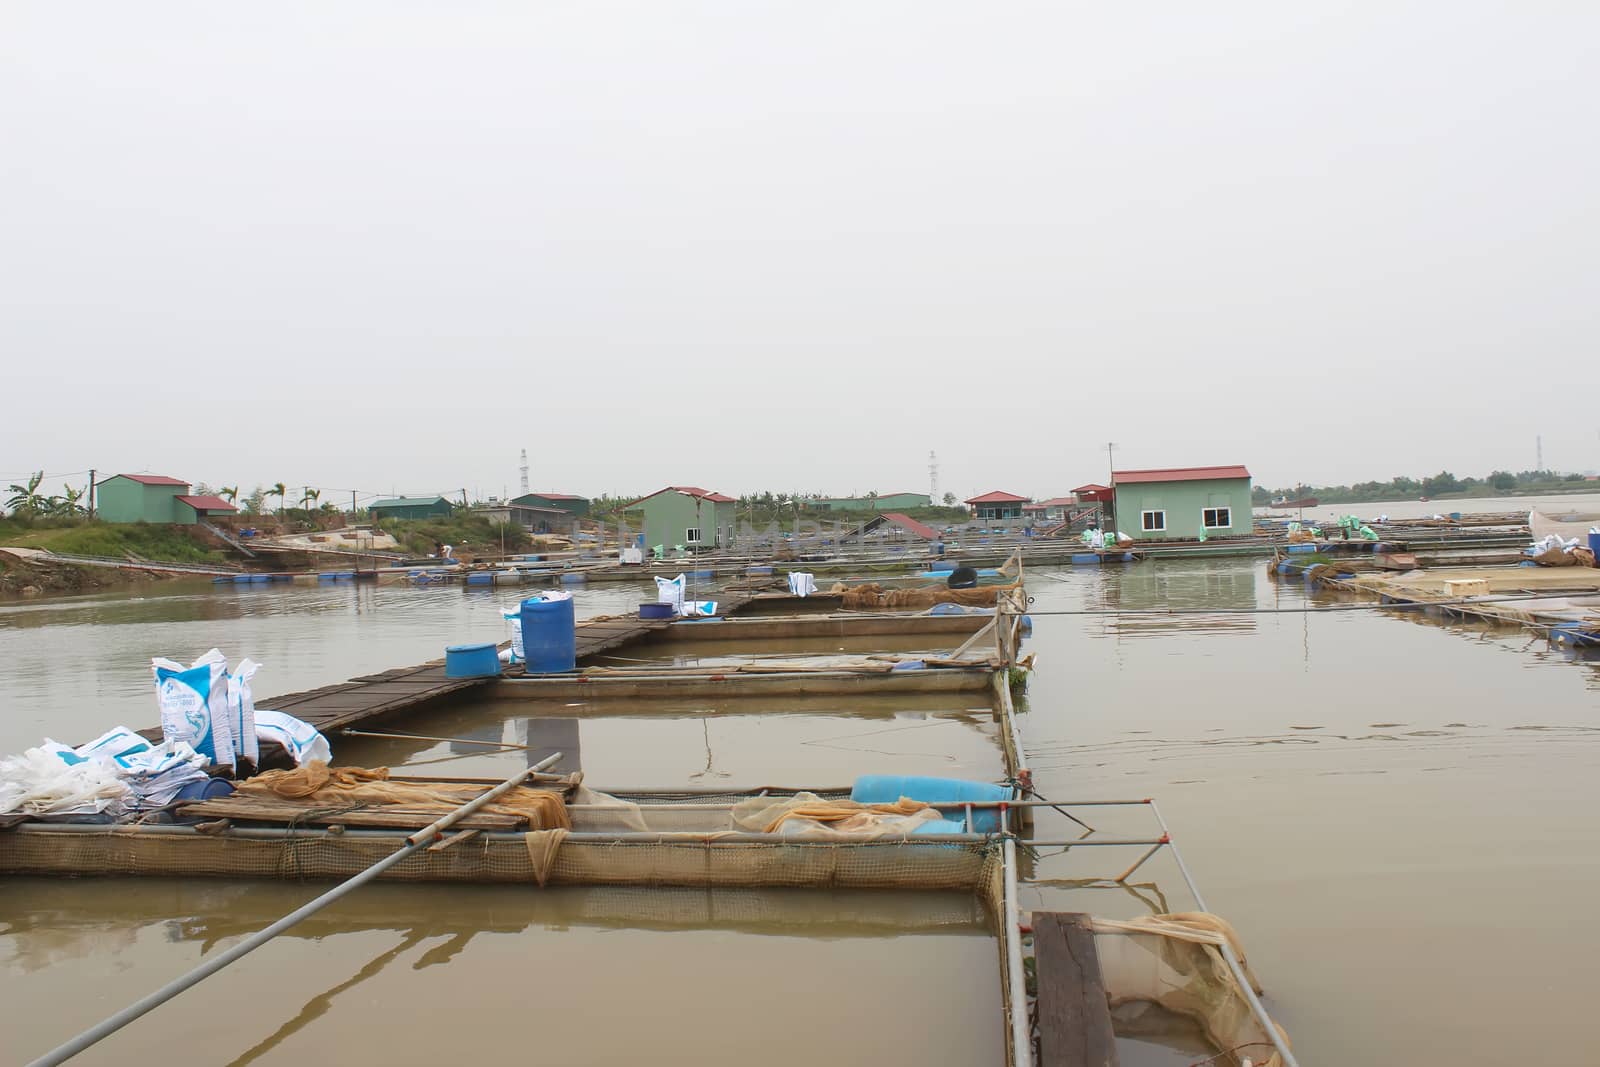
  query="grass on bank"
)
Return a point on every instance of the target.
[
  {"x": 471, "y": 533},
  {"x": 81, "y": 537}
]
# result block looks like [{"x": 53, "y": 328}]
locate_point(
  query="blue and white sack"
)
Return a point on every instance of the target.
[
  {"x": 514, "y": 622},
  {"x": 194, "y": 705},
  {"x": 670, "y": 591},
  {"x": 242, "y": 711},
  {"x": 300, "y": 739}
]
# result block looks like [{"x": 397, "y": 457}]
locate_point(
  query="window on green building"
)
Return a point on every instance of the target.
[
  {"x": 1216, "y": 518},
  {"x": 1152, "y": 521},
  {"x": 691, "y": 537}
]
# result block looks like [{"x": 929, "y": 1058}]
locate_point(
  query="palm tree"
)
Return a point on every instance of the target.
[
  {"x": 231, "y": 492},
  {"x": 280, "y": 491},
  {"x": 25, "y": 499},
  {"x": 309, "y": 497}
]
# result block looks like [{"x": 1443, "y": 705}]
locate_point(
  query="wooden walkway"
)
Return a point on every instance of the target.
[{"x": 372, "y": 696}]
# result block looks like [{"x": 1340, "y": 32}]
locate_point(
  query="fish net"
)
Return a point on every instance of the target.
[{"x": 872, "y": 596}]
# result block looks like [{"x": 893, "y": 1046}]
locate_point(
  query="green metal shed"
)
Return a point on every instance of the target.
[
  {"x": 140, "y": 498},
  {"x": 1183, "y": 503},
  {"x": 572, "y": 505},
  {"x": 880, "y": 502},
  {"x": 410, "y": 507},
  {"x": 684, "y": 515}
]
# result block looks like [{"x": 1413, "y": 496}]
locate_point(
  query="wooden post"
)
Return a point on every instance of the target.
[{"x": 91, "y": 494}]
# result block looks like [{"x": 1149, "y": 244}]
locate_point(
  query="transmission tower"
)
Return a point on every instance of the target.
[
  {"x": 524, "y": 472},
  {"x": 1538, "y": 452},
  {"x": 933, "y": 477}
]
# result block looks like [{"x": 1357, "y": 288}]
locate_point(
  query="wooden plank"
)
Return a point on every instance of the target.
[
  {"x": 1074, "y": 1017},
  {"x": 256, "y": 809}
]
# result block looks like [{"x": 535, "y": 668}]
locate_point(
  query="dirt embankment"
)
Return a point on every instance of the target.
[{"x": 21, "y": 577}]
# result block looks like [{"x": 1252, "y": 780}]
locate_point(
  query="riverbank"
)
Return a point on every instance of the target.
[{"x": 29, "y": 576}]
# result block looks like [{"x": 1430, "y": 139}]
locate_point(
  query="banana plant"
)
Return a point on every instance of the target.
[{"x": 25, "y": 499}]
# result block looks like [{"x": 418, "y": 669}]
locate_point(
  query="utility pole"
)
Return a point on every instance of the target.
[
  {"x": 1538, "y": 452},
  {"x": 91, "y": 494},
  {"x": 1111, "y": 480},
  {"x": 352, "y": 507}
]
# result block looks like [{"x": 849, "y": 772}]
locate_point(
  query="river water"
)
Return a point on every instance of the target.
[{"x": 1395, "y": 812}]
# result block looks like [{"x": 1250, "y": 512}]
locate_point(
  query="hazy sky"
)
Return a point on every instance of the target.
[{"x": 757, "y": 245}]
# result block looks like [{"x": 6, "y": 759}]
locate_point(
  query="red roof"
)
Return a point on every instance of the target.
[
  {"x": 687, "y": 490},
  {"x": 152, "y": 479},
  {"x": 997, "y": 497},
  {"x": 905, "y": 522},
  {"x": 555, "y": 496},
  {"x": 208, "y": 503},
  {"x": 1053, "y": 502},
  {"x": 1178, "y": 474},
  {"x": 1092, "y": 487}
]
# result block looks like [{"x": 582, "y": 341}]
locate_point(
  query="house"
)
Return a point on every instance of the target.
[
  {"x": 410, "y": 507},
  {"x": 1049, "y": 512},
  {"x": 1093, "y": 493},
  {"x": 577, "y": 506},
  {"x": 997, "y": 505},
  {"x": 155, "y": 498},
  {"x": 684, "y": 515},
  {"x": 891, "y": 525},
  {"x": 537, "y": 520},
  {"x": 1183, "y": 503},
  {"x": 873, "y": 502}
]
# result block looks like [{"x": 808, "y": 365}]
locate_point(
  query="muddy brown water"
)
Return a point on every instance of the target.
[{"x": 1395, "y": 811}]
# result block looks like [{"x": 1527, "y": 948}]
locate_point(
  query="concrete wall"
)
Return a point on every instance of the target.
[{"x": 1184, "y": 504}]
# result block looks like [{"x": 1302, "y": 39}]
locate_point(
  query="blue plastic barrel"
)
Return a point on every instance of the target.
[
  {"x": 1594, "y": 544},
  {"x": 574, "y": 579},
  {"x": 471, "y": 661},
  {"x": 941, "y": 566},
  {"x": 260, "y": 578},
  {"x": 549, "y": 635},
  {"x": 1085, "y": 559},
  {"x": 480, "y": 578},
  {"x": 241, "y": 579},
  {"x": 888, "y": 788}
]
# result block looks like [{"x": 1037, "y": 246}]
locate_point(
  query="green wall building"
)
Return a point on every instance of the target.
[
  {"x": 880, "y": 502},
  {"x": 1183, "y": 503},
  {"x": 683, "y": 515},
  {"x": 154, "y": 498},
  {"x": 572, "y": 505},
  {"x": 410, "y": 507}
]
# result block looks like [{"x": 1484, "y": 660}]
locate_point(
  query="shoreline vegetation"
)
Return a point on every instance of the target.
[{"x": 1441, "y": 486}]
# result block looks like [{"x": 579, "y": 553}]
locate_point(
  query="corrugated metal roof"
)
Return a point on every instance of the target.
[
  {"x": 1092, "y": 487},
  {"x": 1053, "y": 502},
  {"x": 905, "y": 522},
  {"x": 152, "y": 479},
  {"x": 1178, "y": 474},
  {"x": 997, "y": 497},
  {"x": 686, "y": 490},
  {"x": 556, "y": 496},
  {"x": 207, "y": 503},
  {"x": 406, "y": 501}
]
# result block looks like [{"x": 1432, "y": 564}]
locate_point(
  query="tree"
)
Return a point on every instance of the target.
[
  {"x": 229, "y": 491},
  {"x": 949, "y": 500},
  {"x": 25, "y": 499},
  {"x": 280, "y": 491},
  {"x": 255, "y": 503},
  {"x": 309, "y": 497},
  {"x": 1503, "y": 480},
  {"x": 1443, "y": 482},
  {"x": 67, "y": 506}
]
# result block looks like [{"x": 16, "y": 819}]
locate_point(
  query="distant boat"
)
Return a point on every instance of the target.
[{"x": 1303, "y": 502}]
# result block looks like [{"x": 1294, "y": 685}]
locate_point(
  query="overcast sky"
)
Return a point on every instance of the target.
[{"x": 748, "y": 246}]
